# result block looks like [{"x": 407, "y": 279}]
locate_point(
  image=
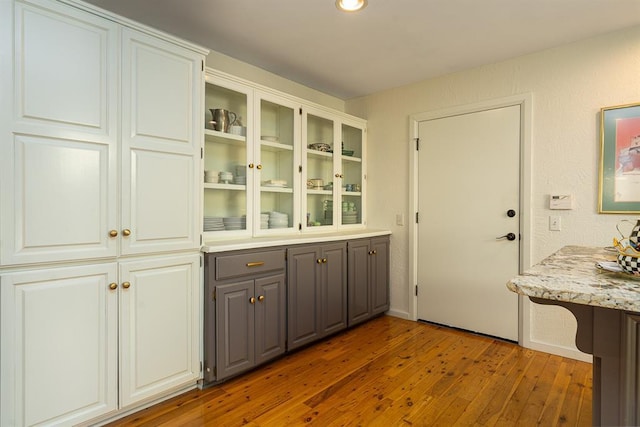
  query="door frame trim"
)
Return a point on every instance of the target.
[{"x": 525, "y": 101}]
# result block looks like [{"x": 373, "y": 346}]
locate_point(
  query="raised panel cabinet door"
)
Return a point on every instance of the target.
[
  {"x": 270, "y": 318},
  {"x": 59, "y": 345},
  {"x": 65, "y": 72},
  {"x": 304, "y": 321},
  {"x": 334, "y": 288},
  {"x": 358, "y": 279},
  {"x": 58, "y": 201},
  {"x": 379, "y": 275},
  {"x": 235, "y": 320},
  {"x": 162, "y": 85},
  {"x": 159, "y": 326}
]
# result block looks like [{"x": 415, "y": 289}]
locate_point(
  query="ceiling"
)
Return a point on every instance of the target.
[{"x": 389, "y": 44}]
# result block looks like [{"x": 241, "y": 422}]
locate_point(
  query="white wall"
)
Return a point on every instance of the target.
[{"x": 569, "y": 86}]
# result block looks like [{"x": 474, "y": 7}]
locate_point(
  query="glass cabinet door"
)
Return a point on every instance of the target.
[
  {"x": 351, "y": 172},
  {"x": 320, "y": 178},
  {"x": 226, "y": 158},
  {"x": 276, "y": 173}
]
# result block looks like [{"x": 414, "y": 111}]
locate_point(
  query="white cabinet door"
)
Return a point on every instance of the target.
[
  {"x": 58, "y": 136},
  {"x": 59, "y": 345},
  {"x": 162, "y": 127},
  {"x": 159, "y": 332}
]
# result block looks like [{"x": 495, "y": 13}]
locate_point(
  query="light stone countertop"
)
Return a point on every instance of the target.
[
  {"x": 285, "y": 240},
  {"x": 571, "y": 275}
]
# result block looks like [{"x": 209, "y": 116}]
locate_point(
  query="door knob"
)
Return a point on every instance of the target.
[
  {"x": 511, "y": 213},
  {"x": 113, "y": 233},
  {"x": 252, "y": 300},
  {"x": 126, "y": 285},
  {"x": 261, "y": 298},
  {"x": 126, "y": 232},
  {"x": 508, "y": 236},
  {"x": 113, "y": 286}
]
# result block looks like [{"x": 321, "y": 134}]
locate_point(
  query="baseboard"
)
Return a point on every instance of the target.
[
  {"x": 398, "y": 313},
  {"x": 571, "y": 353}
]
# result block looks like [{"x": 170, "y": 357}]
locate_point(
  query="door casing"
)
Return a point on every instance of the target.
[{"x": 525, "y": 102}]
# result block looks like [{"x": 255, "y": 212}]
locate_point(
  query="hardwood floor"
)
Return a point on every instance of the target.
[{"x": 393, "y": 372}]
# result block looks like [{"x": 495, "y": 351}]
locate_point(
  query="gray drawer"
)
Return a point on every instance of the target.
[{"x": 249, "y": 263}]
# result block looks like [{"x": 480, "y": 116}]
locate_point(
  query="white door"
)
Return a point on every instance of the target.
[
  {"x": 159, "y": 332},
  {"x": 162, "y": 127},
  {"x": 59, "y": 345},
  {"x": 468, "y": 182},
  {"x": 58, "y": 131}
]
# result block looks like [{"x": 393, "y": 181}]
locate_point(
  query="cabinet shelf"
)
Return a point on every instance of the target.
[
  {"x": 275, "y": 146},
  {"x": 352, "y": 159},
  {"x": 352, "y": 193},
  {"x": 276, "y": 189},
  {"x": 327, "y": 192},
  {"x": 221, "y": 186},
  {"x": 319, "y": 153},
  {"x": 224, "y": 137}
]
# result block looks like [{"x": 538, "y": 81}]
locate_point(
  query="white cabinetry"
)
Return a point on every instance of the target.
[
  {"x": 59, "y": 345},
  {"x": 100, "y": 141},
  {"x": 60, "y": 337},
  {"x": 281, "y": 181},
  {"x": 59, "y": 132}
]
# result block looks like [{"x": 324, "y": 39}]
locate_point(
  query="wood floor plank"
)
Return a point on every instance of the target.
[{"x": 391, "y": 372}]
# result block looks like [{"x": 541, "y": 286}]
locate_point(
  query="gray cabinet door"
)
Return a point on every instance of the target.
[
  {"x": 234, "y": 328},
  {"x": 334, "y": 288},
  {"x": 304, "y": 293},
  {"x": 270, "y": 316},
  {"x": 359, "y": 288},
  {"x": 379, "y": 275}
]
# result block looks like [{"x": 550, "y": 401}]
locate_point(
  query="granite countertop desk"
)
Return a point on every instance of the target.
[
  {"x": 607, "y": 308},
  {"x": 571, "y": 275}
]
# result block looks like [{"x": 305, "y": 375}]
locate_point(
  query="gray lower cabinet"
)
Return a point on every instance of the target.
[
  {"x": 245, "y": 314},
  {"x": 368, "y": 278},
  {"x": 317, "y": 292}
]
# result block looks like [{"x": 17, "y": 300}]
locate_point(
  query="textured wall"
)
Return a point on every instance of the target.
[{"x": 569, "y": 85}]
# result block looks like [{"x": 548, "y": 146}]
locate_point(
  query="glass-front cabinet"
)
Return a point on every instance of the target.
[
  {"x": 274, "y": 165},
  {"x": 227, "y": 154},
  {"x": 333, "y": 171},
  {"x": 277, "y": 133}
]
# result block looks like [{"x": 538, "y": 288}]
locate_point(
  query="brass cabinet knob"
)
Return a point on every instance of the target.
[
  {"x": 126, "y": 285},
  {"x": 370, "y": 252},
  {"x": 324, "y": 260},
  {"x": 261, "y": 298},
  {"x": 259, "y": 167},
  {"x": 252, "y": 300},
  {"x": 319, "y": 260},
  {"x": 374, "y": 252},
  {"x": 126, "y": 232},
  {"x": 113, "y": 286},
  {"x": 338, "y": 175},
  {"x": 113, "y": 233},
  {"x": 250, "y": 165}
]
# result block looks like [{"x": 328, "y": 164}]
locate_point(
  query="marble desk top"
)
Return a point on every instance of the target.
[{"x": 571, "y": 275}]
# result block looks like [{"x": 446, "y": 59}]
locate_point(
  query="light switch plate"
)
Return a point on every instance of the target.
[
  {"x": 399, "y": 219},
  {"x": 555, "y": 224}
]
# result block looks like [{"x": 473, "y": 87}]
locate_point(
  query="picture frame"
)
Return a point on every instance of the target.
[{"x": 619, "y": 180}]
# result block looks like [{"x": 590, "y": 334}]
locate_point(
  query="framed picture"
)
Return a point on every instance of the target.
[{"x": 620, "y": 159}]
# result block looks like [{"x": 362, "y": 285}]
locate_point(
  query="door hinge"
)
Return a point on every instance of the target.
[
  {"x": 200, "y": 366},
  {"x": 202, "y": 65},
  {"x": 201, "y": 152},
  {"x": 201, "y": 240},
  {"x": 299, "y": 226},
  {"x": 300, "y": 168},
  {"x": 215, "y": 371},
  {"x": 416, "y": 290},
  {"x": 214, "y": 294},
  {"x": 200, "y": 261},
  {"x": 417, "y": 144},
  {"x": 417, "y": 217},
  {"x": 300, "y": 110}
]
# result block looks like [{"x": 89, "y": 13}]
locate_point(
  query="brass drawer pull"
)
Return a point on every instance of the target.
[{"x": 255, "y": 264}]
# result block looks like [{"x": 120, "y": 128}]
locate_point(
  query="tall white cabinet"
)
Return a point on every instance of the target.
[{"x": 100, "y": 201}]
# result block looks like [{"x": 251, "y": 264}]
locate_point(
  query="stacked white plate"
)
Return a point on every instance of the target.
[
  {"x": 264, "y": 220},
  {"x": 235, "y": 223},
  {"x": 350, "y": 217},
  {"x": 213, "y": 223},
  {"x": 278, "y": 220},
  {"x": 241, "y": 180}
]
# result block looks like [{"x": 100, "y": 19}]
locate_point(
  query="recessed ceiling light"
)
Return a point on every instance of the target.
[{"x": 351, "y": 5}]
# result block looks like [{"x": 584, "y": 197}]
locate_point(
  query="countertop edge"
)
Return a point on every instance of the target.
[{"x": 265, "y": 242}]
